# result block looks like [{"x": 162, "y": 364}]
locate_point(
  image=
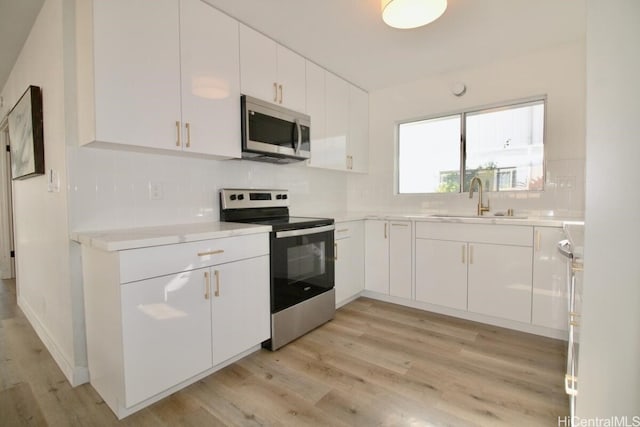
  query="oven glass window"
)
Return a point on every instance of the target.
[
  {"x": 301, "y": 268},
  {"x": 306, "y": 261}
]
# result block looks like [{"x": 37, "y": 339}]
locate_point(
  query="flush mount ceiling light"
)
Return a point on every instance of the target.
[{"x": 411, "y": 13}]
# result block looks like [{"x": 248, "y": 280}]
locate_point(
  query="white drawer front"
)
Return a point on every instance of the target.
[
  {"x": 143, "y": 263},
  {"x": 343, "y": 230},
  {"x": 517, "y": 235}
]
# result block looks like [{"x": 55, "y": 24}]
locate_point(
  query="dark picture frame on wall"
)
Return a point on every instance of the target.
[{"x": 26, "y": 135}]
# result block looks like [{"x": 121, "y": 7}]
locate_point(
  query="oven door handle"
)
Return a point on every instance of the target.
[{"x": 304, "y": 231}]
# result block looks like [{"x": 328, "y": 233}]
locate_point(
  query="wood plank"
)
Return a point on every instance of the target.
[{"x": 376, "y": 363}]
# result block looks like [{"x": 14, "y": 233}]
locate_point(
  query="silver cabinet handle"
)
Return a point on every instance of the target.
[
  {"x": 464, "y": 254},
  {"x": 385, "y": 230},
  {"x": 299, "y": 129},
  {"x": 217, "y": 274},
  {"x": 280, "y": 87},
  {"x": 178, "y": 131},
  {"x": 538, "y": 234},
  {"x": 275, "y": 92},
  {"x": 188, "y": 126},
  {"x": 396, "y": 224},
  {"x": 216, "y": 252},
  {"x": 207, "y": 285}
]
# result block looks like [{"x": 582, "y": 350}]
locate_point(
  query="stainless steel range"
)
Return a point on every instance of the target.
[{"x": 302, "y": 261}]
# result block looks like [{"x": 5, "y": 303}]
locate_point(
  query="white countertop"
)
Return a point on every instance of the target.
[
  {"x": 451, "y": 218},
  {"x": 133, "y": 238}
]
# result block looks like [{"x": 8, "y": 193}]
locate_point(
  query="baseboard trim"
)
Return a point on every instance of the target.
[
  {"x": 76, "y": 375},
  {"x": 480, "y": 318}
]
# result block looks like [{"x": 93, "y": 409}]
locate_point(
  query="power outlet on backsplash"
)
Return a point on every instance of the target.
[{"x": 156, "y": 191}]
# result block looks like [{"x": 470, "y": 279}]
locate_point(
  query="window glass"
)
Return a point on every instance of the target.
[
  {"x": 429, "y": 155},
  {"x": 505, "y": 147}
]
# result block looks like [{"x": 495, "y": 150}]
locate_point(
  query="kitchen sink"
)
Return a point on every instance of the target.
[{"x": 479, "y": 217}]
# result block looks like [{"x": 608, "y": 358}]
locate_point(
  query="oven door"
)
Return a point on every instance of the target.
[{"x": 302, "y": 265}]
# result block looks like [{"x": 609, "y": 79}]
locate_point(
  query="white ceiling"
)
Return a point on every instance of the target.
[
  {"x": 16, "y": 20},
  {"x": 349, "y": 38}
]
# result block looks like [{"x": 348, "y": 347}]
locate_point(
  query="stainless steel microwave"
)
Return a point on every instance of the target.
[{"x": 272, "y": 133}]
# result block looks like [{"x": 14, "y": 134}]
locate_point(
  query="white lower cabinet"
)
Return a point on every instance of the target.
[
  {"x": 550, "y": 299},
  {"x": 166, "y": 333},
  {"x": 349, "y": 260},
  {"x": 441, "y": 273},
  {"x": 499, "y": 282},
  {"x": 377, "y": 256},
  {"x": 481, "y": 268},
  {"x": 400, "y": 259},
  {"x": 149, "y": 334},
  {"x": 240, "y": 307},
  {"x": 388, "y": 257}
]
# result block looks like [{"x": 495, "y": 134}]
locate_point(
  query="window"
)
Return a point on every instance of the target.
[{"x": 503, "y": 146}]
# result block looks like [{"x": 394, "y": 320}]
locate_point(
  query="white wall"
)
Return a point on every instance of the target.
[
  {"x": 41, "y": 233},
  {"x": 609, "y": 371},
  {"x": 110, "y": 189},
  {"x": 558, "y": 72}
]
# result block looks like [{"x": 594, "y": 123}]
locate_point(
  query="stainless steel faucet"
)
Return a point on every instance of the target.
[{"x": 481, "y": 208}]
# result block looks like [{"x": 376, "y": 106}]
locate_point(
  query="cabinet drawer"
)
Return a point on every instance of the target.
[
  {"x": 138, "y": 264},
  {"x": 517, "y": 235},
  {"x": 343, "y": 230}
]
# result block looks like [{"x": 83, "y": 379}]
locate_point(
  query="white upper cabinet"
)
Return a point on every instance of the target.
[
  {"x": 337, "y": 123},
  {"x": 358, "y": 140},
  {"x": 270, "y": 71},
  {"x": 159, "y": 74},
  {"x": 210, "y": 58},
  {"x": 130, "y": 92},
  {"x": 317, "y": 110}
]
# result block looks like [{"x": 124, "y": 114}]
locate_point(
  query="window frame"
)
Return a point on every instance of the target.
[{"x": 489, "y": 108}]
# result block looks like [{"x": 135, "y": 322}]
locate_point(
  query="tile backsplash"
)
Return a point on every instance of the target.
[{"x": 112, "y": 189}]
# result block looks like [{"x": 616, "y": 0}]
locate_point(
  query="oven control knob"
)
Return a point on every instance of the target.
[
  {"x": 232, "y": 197},
  {"x": 240, "y": 196},
  {"x": 279, "y": 196},
  {"x": 284, "y": 196}
]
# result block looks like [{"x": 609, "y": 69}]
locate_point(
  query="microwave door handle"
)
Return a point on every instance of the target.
[{"x": 298, "y": 141}]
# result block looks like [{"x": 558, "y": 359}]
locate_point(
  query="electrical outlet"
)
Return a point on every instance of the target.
[
  {"x": 53, "y": 181},
  {"x": 156, "y": 192}
]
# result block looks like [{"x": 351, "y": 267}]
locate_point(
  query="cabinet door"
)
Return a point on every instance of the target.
[
  {"x": 137, "y": 72},
  {"x": 337, "y": 125},
  {"x": 291, "y": 79},
  {"x": 377, "y": 256},
  {"x": 358, "y": 142},
  {"x": 400, "y": 259},
  {"x": 240, "y": 306},
  {"x": 441, "y": 273},
  {"x": 166, "y": 332},
  {"x": 258, "y": 66},
  {"x": 316, "y": 109},
  {"x": 549, "y": 305},
  {"x": 500, "y": 281},
  {"x": 349, "y": 261},
  {"x": 210, "y": 80}
]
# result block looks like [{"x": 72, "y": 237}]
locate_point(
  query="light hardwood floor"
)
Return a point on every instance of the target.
[{"x": 374, "y": 364}]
